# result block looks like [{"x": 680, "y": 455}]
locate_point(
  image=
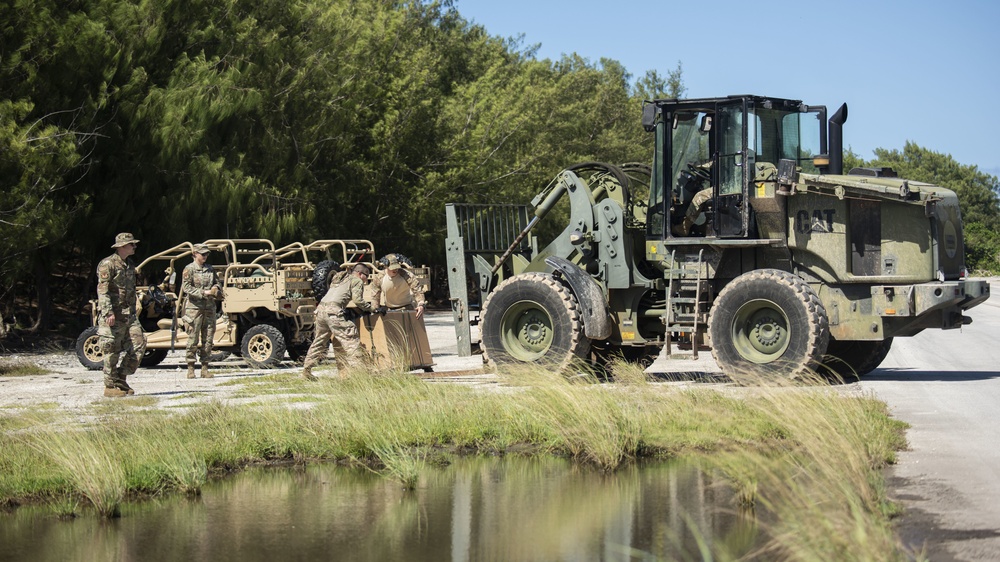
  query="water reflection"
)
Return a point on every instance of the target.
[{"x": 475, "y": 509}]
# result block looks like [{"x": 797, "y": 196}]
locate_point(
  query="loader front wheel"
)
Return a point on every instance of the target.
[
  {"x": 532, "y": 318},
  {"x": 768, "y": 322}
]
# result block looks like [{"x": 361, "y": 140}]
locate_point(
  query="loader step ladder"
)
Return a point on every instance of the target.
[{"x": 687, "y": 297}]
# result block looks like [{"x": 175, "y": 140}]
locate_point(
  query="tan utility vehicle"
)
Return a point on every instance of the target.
[{"x": 267, "y": 309}]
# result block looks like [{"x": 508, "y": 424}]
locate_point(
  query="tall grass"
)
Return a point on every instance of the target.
[
  {"x": 822, "y": 481},
  {"x": 808, "y": 455},
  {"x": 90, "y": 462}
]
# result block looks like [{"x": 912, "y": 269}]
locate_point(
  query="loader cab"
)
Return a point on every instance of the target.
[{"x": 706, "y": 154}]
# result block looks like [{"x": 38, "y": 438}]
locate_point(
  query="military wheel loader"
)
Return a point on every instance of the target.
[{"x": 743, "y": 235}]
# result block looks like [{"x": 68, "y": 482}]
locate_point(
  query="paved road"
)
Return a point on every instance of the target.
[{"x": 946, "y": 385}]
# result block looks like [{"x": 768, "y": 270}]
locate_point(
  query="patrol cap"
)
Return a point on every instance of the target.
[
  {"x": 123, "y": 239},
  {"x": 394, "y": 265},
  {"x": 202, "y": 249}
]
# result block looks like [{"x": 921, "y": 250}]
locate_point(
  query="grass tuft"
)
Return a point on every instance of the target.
[{"x": 20, "y": 368}]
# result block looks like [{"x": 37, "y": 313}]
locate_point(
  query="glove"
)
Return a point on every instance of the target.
[{"x": 381, "y": 310}]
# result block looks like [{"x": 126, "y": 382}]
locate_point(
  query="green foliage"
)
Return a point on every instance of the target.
[
  {"x": 36, "y": 161},
  {"x": 653, "y": 86},
  {"x": 183, "y": 120}
]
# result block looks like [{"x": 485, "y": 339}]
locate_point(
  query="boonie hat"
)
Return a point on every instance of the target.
[
  {"x": 202, "y": 249},
  {"x": 123, "y": 239}
]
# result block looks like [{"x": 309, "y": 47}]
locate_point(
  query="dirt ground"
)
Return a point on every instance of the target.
[{"x": 72, "y": 387}]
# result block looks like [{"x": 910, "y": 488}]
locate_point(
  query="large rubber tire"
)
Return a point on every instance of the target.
[
  {"x": 850, "y": 359},
  {"x": 298, "y": 351},
  {"x": 88, "y": 349},
  {"x": 532, "y": 318},
  {"x": 153, "y": 357},
  {"x": 768, "y": 322},
  {"x": 263, "y": 346},
  {"x": 321, "y": 277}
]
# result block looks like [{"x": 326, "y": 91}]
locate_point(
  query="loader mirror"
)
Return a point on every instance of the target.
[{"x": 648, "y": 117}]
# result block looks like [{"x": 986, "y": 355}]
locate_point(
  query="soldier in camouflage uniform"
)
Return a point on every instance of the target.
[
  {"x": 117, "y": 323},
  {"x": 200, "y": 285},
  {"x": 332, "y": 327},
  {"x": 397, "y": 289}
]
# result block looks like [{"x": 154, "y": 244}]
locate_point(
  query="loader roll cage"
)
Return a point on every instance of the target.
[{"x": 715, "y": 143}]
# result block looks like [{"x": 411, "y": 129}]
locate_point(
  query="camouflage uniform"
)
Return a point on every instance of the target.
[
  {"x": 400, "y": 292},
  {"x": 116, "y": 298},
  {"x": 199, "y": 311},
  {"x": 331, "y": 327}
]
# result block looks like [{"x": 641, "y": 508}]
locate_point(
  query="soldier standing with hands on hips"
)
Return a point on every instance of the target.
[
  {"x": 117, "y": 322},
  {"x": 335, "y": 322},
  {"x": 202, "y": 288}
]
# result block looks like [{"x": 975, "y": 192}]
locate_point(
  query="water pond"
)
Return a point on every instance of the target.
[{"x": 474, "y": 509}]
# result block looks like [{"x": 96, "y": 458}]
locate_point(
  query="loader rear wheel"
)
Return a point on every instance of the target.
[
  {"x": 263, "y": 346},
  {"x": 532, "y": 318},
  {"x": 768, "y": 322},
  {"x": 851, "y": 359}
]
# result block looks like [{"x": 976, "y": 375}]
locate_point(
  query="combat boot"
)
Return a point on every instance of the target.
[
  {"x": 114, "y": 392},
  {"x": 307, "y": 374},
  {"x": 204, "y": 371},
  {"x": 120, "y": 383},
  {"x": 190, "y": 370}
]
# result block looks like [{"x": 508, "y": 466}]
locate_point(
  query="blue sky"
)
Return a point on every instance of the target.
[{"x": 927, "y": 72}]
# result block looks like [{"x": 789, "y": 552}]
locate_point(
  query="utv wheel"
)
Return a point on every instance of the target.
[
  {"x": 768, "y": 322},
  {"x": 88, "y": 349},
  {"x": 532, "y": 318},
  {"x": 298, "y": 351},
  {"x": 321, "y": 277},
  {"x": 153, "y": 357},
  {"x": 218, "y": 356},
  {"x": 856, "y": 358},
  {"x": 263, "y": 346}
]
